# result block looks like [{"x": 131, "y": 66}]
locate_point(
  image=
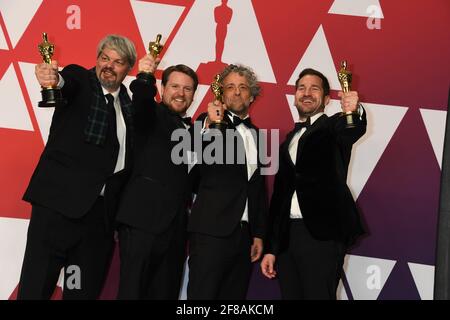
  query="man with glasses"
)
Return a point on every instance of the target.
[
  {"x": 227, "y": 220},
  {"x": 75, "y": 185}
]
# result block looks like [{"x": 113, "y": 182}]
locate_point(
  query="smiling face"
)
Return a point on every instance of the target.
[
  {"x": 309, "y": 96},
  {"x": 111, "y": 69},
  {"x": 178, "y": 93}
]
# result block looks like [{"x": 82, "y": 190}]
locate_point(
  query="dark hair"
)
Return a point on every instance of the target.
[
  {"x": 179, "y": 68},
  {"x": 312, "y": 72}
]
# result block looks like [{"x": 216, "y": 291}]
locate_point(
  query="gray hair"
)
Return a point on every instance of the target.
[
  {"x": 246, "y": 72},
  {"x": 124, "y": 47}
]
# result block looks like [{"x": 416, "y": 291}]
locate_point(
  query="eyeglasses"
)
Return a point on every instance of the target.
[{"x": 232, "y": 87}]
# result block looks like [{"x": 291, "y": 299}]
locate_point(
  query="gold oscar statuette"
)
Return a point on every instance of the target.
[
  {"x": 217, "y": 90},
  {"x": 51, "y": 96},
  {"x": 345, "y": 79},
  {"x": 155, "y": 47}
]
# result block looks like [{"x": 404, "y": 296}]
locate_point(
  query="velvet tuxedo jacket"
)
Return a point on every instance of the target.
[{"x": 319, "y": 178}]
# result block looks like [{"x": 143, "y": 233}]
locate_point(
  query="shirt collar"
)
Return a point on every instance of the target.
[
  {"x": 315, "y": 117},
  {"x": 232, "y": 114},
  {"x": 115, "y": 94}
]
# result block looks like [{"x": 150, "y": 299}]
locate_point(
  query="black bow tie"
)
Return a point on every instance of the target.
[
  {"x": 187, "y": 121},
  {"x": 237, "y": 121},
  {"x": 299, "y": 125}
]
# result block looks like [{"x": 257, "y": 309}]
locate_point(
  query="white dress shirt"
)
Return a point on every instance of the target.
[
  {"x": 251, "y": 155},
  {"x": 191, "y": 155},
  {"x": 121, "y": 132}
]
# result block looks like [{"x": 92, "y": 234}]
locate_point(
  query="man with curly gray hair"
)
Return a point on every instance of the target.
[
  {"x": 243, "y": 71},
  {"x": 227, "y": 220}
]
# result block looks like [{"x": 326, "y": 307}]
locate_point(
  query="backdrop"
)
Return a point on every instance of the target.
[{"x": 398, "y": 51}]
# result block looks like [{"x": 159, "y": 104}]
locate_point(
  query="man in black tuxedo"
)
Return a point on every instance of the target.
[
  {"x": 313, "y": 215},
  {"x": 74, "y": 187},
  {"x": 152, "y": 211},
  {"x": 227, "y": 220}
]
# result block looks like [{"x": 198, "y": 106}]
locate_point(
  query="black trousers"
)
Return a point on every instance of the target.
[
  {"x": 309, "y": 269},
  {"x": 151, "y": 266},
  {"x": 83, "y": 247},
  {"x": 220, "y": 268}
]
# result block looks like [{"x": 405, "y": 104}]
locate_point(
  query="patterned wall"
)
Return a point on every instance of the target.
[{"x": 398, "y": 51}]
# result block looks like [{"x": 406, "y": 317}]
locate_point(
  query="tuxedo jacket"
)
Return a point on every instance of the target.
[
  {"x": 319, "y": 178},
  {"x": 71, "y": 172},
  {"x": 158, "y": 187},
  {"x": 222, "y": 191}
]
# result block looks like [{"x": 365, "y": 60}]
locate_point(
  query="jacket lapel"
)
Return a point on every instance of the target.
[
  {"x": 256, "y": 138},
  {"x": 313, "y": 128},
  {"x": 285, "y": 148}
]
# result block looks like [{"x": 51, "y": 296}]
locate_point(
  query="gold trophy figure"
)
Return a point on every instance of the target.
[
  {"x": 345, "y": 78},
  {"x": 155, "y": 47},
  {"x": 46, "y": 49},
  {"x": 51, "y": 96},
  {"x": 217, "y": 90}
]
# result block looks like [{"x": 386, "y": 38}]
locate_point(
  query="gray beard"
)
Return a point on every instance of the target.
[
  {"x": 109, "y": 85},
  {"x": 243, "y": 112}
]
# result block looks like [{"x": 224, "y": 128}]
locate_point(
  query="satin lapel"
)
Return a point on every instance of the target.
[
  {"x": 256, "y": 137},
  {"x": 314, "y": 127},
  {"x": 242, "y": 167},
  {"x": 285, "y": 148}
]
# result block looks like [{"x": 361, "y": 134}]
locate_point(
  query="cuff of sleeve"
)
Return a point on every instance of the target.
[
  {"x": 360, "y": 110},
  {"x": 146, "y": 77},
  {"x": 204, "y": 129},
  {"x": 60, "y": 82}
]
